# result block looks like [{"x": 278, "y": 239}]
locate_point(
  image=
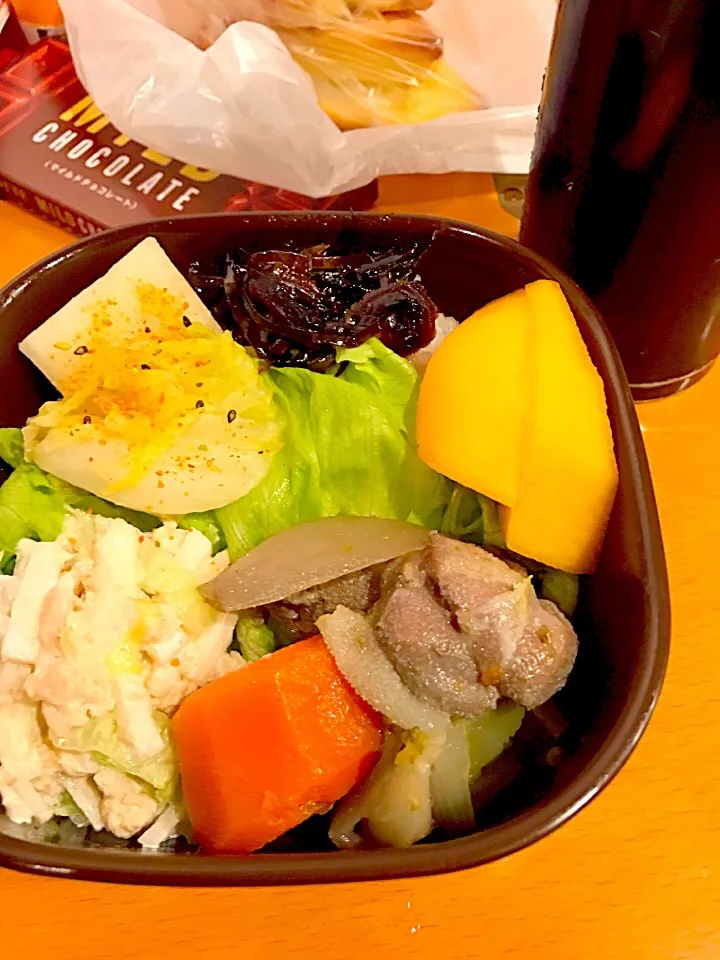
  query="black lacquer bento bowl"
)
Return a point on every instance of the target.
[{"x": 623, "y": 619}]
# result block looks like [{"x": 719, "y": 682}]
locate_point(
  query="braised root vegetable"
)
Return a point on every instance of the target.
[
  {"x": 308, "y": 555},
  {"x": 262, "y": 749}
]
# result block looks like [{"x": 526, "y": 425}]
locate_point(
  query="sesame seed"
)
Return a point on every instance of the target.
[
  {"x": 80, "y": 351},
  {"x": 187, "y": 322},
  {"x": 144, "y": 366},
  {"x": 147, "y": 329},
  {"x": 199, "y": 405},
  {"x": 232, "y": 414},
  {"x": 62, "y": 345},
  {"x": 87, "y": 419}
]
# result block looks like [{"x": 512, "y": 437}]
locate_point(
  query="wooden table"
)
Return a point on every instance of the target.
[{"x": 635, "y": 876}]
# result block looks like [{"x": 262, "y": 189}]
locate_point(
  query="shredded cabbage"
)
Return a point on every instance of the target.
[{"x": 100, "y": 738}]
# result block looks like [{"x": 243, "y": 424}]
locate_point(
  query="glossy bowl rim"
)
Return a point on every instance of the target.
[{"x": 487, "y": 845}]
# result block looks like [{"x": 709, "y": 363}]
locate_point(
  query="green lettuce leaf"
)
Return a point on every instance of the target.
[
  {"x": 383, "y": 374},
  {"x": 29, "y": 504},
  {"x": 12, "y": 450},
  {"x": 82, "y": 500},
  {"x": 349, "y": 450},
  {"x": 31, "y": 507}
]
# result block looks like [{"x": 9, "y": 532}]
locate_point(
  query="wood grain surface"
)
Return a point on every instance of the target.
[{"x": 635, "y": 876}]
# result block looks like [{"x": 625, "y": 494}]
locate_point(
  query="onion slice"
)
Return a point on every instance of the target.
[
  {"x": 361, "y": 660},
  {"x": 396, "y": 801},
  {"x": 356, "y": 806},
  {"x": 308, "y": 555},
  {"x": 164, "y": 828},
  {"x": 452, "y": 804}
]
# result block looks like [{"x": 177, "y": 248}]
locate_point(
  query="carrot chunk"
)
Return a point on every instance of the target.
[{"x": 263, "y": 748}]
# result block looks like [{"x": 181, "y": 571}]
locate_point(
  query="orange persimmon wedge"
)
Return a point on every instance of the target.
[
  {"x": 568, "y": 473},
  {"x": 263, "y": 748},
  {"x": 471, "y": 403},
  {"x": 512, "y": 406}
]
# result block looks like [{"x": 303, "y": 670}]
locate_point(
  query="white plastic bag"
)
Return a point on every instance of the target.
[{"x": 245, "y": 108}]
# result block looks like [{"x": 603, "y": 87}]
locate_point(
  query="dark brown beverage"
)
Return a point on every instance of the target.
[{"x": 624, "y": 191}]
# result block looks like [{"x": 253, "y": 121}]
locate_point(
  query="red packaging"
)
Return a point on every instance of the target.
[
  {"x": 62, "y": 159},
  {"x": 12, "y": 38}
]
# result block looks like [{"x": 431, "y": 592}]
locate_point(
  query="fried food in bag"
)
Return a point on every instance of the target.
[{"x": 373, "y": 62}]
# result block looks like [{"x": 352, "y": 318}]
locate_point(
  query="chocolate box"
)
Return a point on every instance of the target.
[{"x": 61, "y": 158}]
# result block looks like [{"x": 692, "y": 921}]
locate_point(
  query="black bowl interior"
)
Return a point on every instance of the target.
[{"x": 623, "y": 619}]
